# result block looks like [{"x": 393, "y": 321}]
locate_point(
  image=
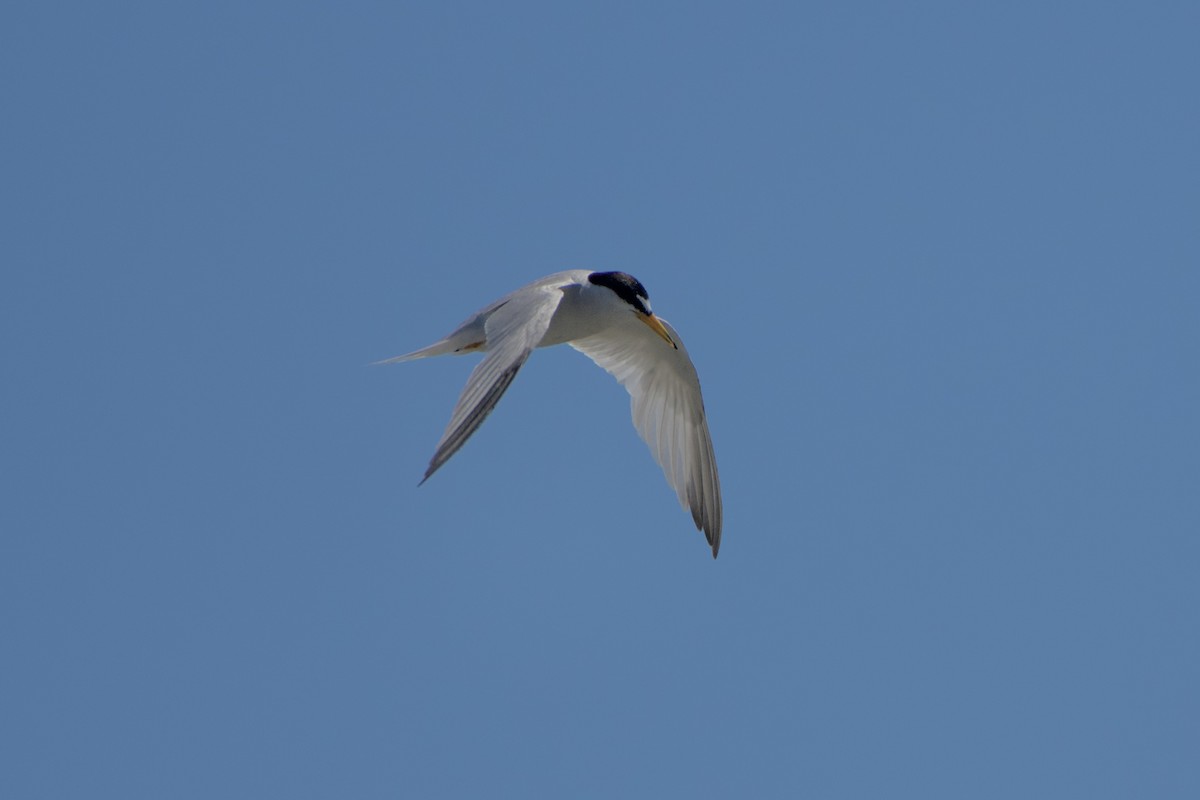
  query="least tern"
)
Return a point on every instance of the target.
[{"x": 607, "y": 317}]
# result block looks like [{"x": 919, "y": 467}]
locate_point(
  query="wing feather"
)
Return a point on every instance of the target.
[
  {"x": 512, "y": 330},
  {"x": 668, "y": 413}
]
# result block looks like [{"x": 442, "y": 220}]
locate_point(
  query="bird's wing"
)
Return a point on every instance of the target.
[
  {"x": 668, "y": 413},
  {"x": 513, "y": 329}
]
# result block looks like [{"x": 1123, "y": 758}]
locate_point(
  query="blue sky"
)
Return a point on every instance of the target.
[{"x": 938, "y": 267}]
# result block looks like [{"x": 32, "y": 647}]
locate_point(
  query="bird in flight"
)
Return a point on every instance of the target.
[{"x": 607, "y": 317}]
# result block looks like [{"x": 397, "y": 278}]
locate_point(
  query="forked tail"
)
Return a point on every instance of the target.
[{"x": 453, "y": 345}]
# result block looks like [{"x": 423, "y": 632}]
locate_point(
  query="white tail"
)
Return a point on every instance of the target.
[
  {"x": 467, "y": 338},
  {"x": 436, "y": 349},
  {"x": 454, "y": 345}
]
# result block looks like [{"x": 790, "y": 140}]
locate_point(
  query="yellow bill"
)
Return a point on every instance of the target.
[{"x": 655, "y": 324}]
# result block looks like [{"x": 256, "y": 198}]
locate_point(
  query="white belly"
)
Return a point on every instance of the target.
[{"x": 584, "y": 311}]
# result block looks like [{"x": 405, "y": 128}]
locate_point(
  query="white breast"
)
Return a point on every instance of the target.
[{"x": 585, "y": 310}]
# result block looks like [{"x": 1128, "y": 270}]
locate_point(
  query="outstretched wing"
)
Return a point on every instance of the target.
[
  {"x": 512, "y": 331},
  {"x": 668, "y": 412}
]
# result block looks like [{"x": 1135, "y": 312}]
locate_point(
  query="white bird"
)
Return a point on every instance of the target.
[{"x": 607, "y": 317}]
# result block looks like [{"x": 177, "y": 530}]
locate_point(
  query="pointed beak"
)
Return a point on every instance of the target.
[{"x": 655, "y": 324}]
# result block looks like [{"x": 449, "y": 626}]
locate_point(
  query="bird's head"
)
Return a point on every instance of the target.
[{"x": 631, "y": 291}]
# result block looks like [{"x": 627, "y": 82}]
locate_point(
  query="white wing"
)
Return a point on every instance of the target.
[
  {"x": 668, "y": 413},
  {"x": 512, "y": 330}
]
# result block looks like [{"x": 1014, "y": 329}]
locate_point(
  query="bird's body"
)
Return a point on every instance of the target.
[{"x": 606, "y": 316}]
